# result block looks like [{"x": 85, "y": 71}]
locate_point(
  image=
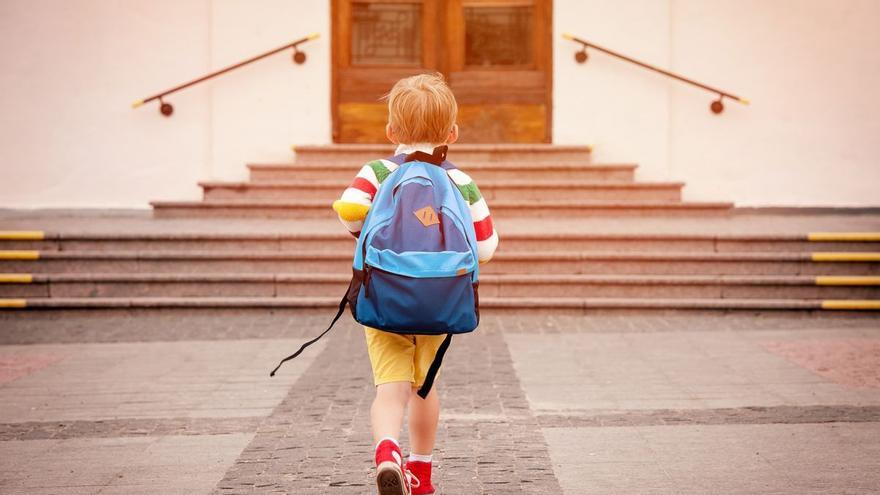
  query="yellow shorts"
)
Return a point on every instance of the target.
[{"x": 399, "y": 357}]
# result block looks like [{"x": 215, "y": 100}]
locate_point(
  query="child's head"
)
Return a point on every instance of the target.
[{"x": 422, "y": 109}]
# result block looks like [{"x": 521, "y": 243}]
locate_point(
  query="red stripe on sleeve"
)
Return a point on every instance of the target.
[
  {"x": 484, "y": 228},
  {"x": 364, "y": 185}
]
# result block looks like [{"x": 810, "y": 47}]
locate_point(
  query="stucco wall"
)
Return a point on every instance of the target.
[
  {"x": 809, "y": 66},
  {"x": 72, "y": 68},
  {"x": 68, "y": 137}
]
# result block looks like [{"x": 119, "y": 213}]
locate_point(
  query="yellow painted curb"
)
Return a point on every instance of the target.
[
  {"x": 16, "y": 278},
  {"x": 851, "y": 304},
  {"x": 22, "y": 235},
  {"x": 19, "y": 255},
  {"x": 846, "y": 256},
  {"x": 13, "y": 303},
  {"x": 827, "y": 280},
  {"x": 844, "y": 236}
]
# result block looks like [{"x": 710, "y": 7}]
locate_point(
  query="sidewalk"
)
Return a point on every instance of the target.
[{"x": 601, "y": 404}]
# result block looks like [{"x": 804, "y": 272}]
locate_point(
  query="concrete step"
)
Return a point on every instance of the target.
[
  {"x": 539, "y": 262},
  {"x": 343, "y": 173},
  {"x": 329, "y": 285},
  {"x": 509, "y": 304},
  {"x": 538, "y": 191},
  {"x": 500, "y": 209},
  {"x": 343, "y": 243},
  {"x": 361, "y": 153}
]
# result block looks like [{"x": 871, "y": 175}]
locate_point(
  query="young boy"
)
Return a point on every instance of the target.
[{"x": 421, "y": 116}]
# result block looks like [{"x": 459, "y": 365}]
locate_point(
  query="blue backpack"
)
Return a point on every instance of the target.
[{"x": 415, "y": 264}]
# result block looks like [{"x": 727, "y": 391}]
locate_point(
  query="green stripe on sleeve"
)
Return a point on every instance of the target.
[
  {"x": 470, "y": 192},
  {"x": 380, "y": 170}
]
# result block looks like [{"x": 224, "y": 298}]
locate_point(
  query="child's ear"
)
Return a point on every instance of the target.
[
  {"x": 389, "y": 133},
  {"x": 453, "y": 134}
]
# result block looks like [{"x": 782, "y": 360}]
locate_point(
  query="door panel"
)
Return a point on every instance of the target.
[{"x": 495, "y": 55}]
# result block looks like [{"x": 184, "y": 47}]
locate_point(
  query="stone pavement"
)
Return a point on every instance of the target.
[{"x": 181, "y": 402}]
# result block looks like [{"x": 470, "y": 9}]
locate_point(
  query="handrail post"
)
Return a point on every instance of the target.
[
  {"x": 717, "y": 106},
  {"x": 167, "y": 109}
]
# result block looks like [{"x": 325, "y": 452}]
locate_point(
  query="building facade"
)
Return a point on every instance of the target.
[{"x": 72, "y": 68}]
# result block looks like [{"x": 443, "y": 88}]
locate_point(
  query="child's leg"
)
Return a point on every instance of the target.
[
  {"x": 391, "y": 356},
  {"x": 424, "y": 414},
  {"x": 386, "y": 415}
]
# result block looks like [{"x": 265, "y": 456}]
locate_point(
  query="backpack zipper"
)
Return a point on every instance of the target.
[{"x": 367, "y": 271}]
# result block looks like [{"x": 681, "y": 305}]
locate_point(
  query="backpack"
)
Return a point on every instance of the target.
[{"x": 415, "y": 268}]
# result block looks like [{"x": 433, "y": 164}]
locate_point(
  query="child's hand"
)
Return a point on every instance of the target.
[{"x": 350, "y": 212}]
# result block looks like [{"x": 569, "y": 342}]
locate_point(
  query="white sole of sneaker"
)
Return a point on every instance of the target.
[{"x": 389, "y": 479}]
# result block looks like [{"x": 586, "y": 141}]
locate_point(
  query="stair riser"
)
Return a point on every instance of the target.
[
  {"x": 498, "y": 266},
  {"x": 344, "y": 177},
  {"x": 487, "y": 312},
  {"x": 524, "y": 211},
  {"x": 539, "y": 194},
  {"x": 456, "y": 156},
  {"x": 345, "y": 245},
  {"x": 339, "y": 245},
  {"x": 487, "y": 289}
]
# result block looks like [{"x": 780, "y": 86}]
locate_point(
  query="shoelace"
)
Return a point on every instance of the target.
[{"x": 411, "y": 477}]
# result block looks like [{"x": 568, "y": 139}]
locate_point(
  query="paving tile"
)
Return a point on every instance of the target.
[
  {"x": 668, "y": 370},
  {"x": 209, "y": 379},
  {"x": 172, "y": 464},
  {"x": 729, "y": 459}
]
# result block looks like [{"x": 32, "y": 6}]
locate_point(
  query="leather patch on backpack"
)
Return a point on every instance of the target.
[{"x": 427, "y": 216}]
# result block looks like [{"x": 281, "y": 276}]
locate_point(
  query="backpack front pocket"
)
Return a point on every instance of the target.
[{"x": 424, "y": 305}]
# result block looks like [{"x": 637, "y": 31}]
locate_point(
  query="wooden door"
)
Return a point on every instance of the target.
[{"x": 495, "y": 54}]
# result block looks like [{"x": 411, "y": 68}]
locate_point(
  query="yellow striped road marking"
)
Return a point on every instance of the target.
[
  {"x": 13, "y": 303},
  {"x": 851, "y": 304},
  {"x": 19, "y": 255},
  {"x": 16, "y": 278},
  {"x": 826, "y": 280},
  {"x": 846, "y": 256},
  {"x": 844, "y": 236},
  {"x": 22, "y": 235}
]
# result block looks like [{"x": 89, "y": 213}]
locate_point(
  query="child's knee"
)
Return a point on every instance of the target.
[{"x": 394, "y": 392}]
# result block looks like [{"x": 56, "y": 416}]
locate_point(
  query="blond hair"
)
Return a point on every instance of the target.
[{"x": 421, "y": 109}]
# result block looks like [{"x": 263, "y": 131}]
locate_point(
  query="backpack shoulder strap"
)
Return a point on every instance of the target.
[{"x": 435, "y": 367}]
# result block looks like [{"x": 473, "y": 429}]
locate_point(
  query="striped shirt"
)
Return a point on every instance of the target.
[{"x": 356, "y": 200}]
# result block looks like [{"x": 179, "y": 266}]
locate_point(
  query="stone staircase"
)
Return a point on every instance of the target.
[
  {"x": 514, "y": 178},
  {"x": 543, "y": 264}
]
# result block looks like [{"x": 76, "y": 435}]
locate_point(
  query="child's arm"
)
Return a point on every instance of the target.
[
  {"x": 487, "y": 237},
  {"x": 356, "y": 200}
]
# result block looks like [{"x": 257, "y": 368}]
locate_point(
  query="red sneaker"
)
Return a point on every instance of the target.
[
  {"x": 421, "y": 474},
  {"x": 391, "y": 478}
]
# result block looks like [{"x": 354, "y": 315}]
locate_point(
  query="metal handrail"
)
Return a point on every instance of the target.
[
  {"x": 716, "y": 106},
  {"x": 167, "y": 109}
]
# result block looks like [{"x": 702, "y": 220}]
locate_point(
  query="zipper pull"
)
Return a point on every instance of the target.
[{"x": 366, "y": 280}]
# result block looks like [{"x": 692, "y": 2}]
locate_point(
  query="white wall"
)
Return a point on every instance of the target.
[
  {"x": 811, "y": 68},
  {"x": 617, "y": 107},
  {"x": 71, "y": 69},
  {"x": 261, "y": 110}
]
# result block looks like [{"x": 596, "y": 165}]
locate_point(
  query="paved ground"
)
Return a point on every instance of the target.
[{"x": 181, "y": 403}]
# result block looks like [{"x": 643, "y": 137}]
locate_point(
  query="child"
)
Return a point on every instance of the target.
[{"x": 421, "y": 116}]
